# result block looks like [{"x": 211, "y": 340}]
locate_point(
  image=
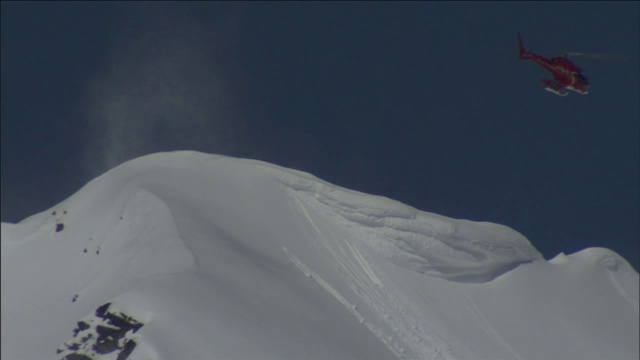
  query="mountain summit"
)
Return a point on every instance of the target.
[{"x": 186, "y": 255}]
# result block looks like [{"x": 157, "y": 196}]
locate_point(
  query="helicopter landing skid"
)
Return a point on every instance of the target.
[{"x": 554, "y": 87}]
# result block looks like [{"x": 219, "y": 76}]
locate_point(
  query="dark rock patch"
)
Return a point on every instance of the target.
[
  {"x": 107, "y": 341},
  {"x": 81, "y": 326},
  {"x": 86, "y": 338},
  {"x": 102, "y": 310},
  {"x": 123, "y": 322},
  {"x": 105, "y": 333},
  {"x": 127, "y": 350}
]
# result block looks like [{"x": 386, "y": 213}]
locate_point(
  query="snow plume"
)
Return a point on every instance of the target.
[{"x": 163, "y": 87}]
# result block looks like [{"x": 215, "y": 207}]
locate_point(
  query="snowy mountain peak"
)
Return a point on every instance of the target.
[
  {"x": 427, "y": 243},
  {"x": 211, "y": 256}
]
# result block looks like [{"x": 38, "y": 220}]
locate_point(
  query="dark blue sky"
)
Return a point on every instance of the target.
[{"x": 422, "y": 102}]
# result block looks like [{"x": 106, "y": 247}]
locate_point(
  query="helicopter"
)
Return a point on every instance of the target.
[{"x": 566, "y": 75}]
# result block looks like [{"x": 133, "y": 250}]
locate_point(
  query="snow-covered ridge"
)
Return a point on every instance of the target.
[
  {"x": 231, "y": 258},
  {"x": 430, "y": 244}
]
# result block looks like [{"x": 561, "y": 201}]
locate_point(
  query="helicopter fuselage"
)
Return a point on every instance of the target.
[{"x": 565, "y": 73}]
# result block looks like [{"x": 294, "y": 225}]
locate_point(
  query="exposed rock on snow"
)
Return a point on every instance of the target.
[{"x": 105, "y": 332}]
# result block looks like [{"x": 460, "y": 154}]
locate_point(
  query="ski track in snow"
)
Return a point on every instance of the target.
[
  {"x": 431, "y": 245},
  {"x": 405, "y": 337},
  {"x": 493, "y": 330},
  {"x": 351, "y": 307}
]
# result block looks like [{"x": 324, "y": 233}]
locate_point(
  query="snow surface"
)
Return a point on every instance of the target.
[{"x": 224, "y": 258}]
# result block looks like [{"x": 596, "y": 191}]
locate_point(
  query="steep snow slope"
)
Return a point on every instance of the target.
[{"x": 192, "y": 256}]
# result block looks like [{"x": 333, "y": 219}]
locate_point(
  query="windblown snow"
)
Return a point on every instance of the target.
[{"x": 186, "y": 255}]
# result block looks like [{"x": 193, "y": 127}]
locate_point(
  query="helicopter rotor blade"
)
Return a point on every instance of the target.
[{"x": 598, "y": 56}]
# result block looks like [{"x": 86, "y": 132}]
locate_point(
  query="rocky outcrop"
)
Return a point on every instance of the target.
[{"x": 102, "y": 333}]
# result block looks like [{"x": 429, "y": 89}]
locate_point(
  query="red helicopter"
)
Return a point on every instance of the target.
[{"x": 565, "y": 73}]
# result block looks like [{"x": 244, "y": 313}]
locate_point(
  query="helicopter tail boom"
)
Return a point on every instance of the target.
[{"x": 522, "y": 52}]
